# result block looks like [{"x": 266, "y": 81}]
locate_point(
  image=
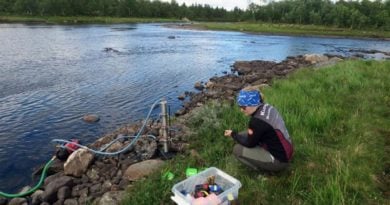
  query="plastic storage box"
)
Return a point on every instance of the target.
[{"x": 228, "y": 184}]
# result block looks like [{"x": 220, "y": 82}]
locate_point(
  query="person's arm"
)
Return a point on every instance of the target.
[{"x": 252, "y": 138}]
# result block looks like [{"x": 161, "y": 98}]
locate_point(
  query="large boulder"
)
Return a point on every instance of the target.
[
  {"x": 315, "y": 58},
  {"x": 78, "y": 163},
  {"x": 142, "y": 169},
  {"x": 50, "y": 193}
]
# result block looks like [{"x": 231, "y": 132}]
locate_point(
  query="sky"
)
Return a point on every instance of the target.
[{"x": 227, "y": 4}]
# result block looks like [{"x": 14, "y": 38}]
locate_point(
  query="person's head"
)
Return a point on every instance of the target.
[{"x": 249, "y": 100}]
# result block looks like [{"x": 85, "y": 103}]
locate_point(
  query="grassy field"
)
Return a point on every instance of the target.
[
  {"x": 294, "y": 29},
  {"x": 339, "y": 120},
  {"x": 81, "y": 19}
]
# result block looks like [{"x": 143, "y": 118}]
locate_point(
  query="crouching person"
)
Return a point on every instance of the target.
[{"x": 266, "y": 145}]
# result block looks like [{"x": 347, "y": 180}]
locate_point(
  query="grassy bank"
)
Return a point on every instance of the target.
[
  {"x": 294, "y": 29},
  {"x": 339, "y": 120},
  {"x": 80, "y": 19},
  {"x": 267, "y": 28}
]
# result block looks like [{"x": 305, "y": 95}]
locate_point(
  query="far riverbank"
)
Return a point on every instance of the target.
[
  {"x": 287, "y": 29},
  {"x": 250, "y": 27}
]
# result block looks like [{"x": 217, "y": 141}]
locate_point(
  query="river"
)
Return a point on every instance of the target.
[{"x": 52, "y": 75}]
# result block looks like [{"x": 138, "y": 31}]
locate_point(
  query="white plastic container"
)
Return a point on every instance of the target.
[{"x": 228, "y": 184}]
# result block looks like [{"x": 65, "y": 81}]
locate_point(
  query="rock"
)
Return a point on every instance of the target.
[
  {"x": 145, "y": 147},
  {"x": 76, "y": 190},
  {"x": 185, "y": 19},
  {"x": 180, "y": 112},
  {"x": 90, "y": 118},
  {"x": 209, "y": 84},
  {"x": 315, "y": 58},
  {"x": 142, "y": 169},
  {"x": 56, "y": 167},
  {"x": 181, "y": 97},
  {"x": 110, "y": 50},
  {"x": 50, "y": 193},
  {"x": 106, "y": 186},
  {"x": 198, "y": 86},
  {"x": 115, "y": 147},
  {"x": 78, "y": 162},
  {"x": 18, "y": 201},
  {"x": 111, "y": 198},
  {"x": 45, "y": 203},
  {"x": 3, "y": 201},
  {"x": 59, "y": 202},
  {"x": 96, "y": 188},
  {"x": 171, "y": 37},
  {"x": 53, "y": 177},
  {"x": 71, "y": 202},
  {"x": 36, "y": 197},
  {"x": 93, "y": 174},
  {"x": 64, "y": 193}
]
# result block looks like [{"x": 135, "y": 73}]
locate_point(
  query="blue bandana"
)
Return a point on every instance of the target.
[{"x": 249, "y": 98}]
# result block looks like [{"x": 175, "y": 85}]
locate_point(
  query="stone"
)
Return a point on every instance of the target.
[
  {"x": 53, "y": 177},
  {"x": 91, "y": 118},
  {"x": 93, "y": 174},
  {"x": 209, "y": 84},
  {"x": 50, "y": 193},
  {"x": 198, "y": 86},
  {"x": 142, "y": 169},
  {"x": 96, "y": 188},
  {"x": 3, "y": 201},
  {"x": 145, "y": 147},
  {"x": 18, "y": 201},
  {"x": 106, "y": 186},
  {"x": 71, "y": 202},
  {"x": 181, "y": 97},
  {"x": 59, "y": 202},
  {"x": 36, "y": 197},
  {"x": 111, "y": 198},
  {"x": 315, "y": 58},
  {"x": 115, "y": 147},
  {"x": 64, "y": 193},
  {"x": 78, "y": 162}
]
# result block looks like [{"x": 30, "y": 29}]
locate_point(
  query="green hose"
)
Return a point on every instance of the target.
[{"x": 2, "y": 194}]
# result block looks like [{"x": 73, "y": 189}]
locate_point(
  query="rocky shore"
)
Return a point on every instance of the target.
[{"x": 86, "y": 178}]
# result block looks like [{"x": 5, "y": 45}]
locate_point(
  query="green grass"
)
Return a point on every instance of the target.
[
  {"x": 82, "y": 19},
  {"x": 339, "y": 120},
  {"x": 294, "y": 29}
]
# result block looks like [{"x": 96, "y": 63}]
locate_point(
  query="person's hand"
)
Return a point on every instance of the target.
[{"x": 228, "y": 133}]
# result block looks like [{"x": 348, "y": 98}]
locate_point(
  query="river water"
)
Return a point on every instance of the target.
[{"x": 51, "y": 75}]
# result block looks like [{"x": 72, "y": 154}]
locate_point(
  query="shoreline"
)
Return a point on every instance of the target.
[
  {"x": 90, "y": 179},
  {"x": 201, "y": 27}
]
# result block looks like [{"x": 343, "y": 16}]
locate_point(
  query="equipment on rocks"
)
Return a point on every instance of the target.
[
  {"x": 64, "y": 151},
  {"x": 68, "y": 146},
  {"x": 164, "y": 139}
]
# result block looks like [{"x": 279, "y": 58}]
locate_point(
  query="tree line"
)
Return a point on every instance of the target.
[{"x": 347, "y": 14}]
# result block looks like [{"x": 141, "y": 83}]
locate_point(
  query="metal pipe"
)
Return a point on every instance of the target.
[{"x": 164, "y": 125}]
